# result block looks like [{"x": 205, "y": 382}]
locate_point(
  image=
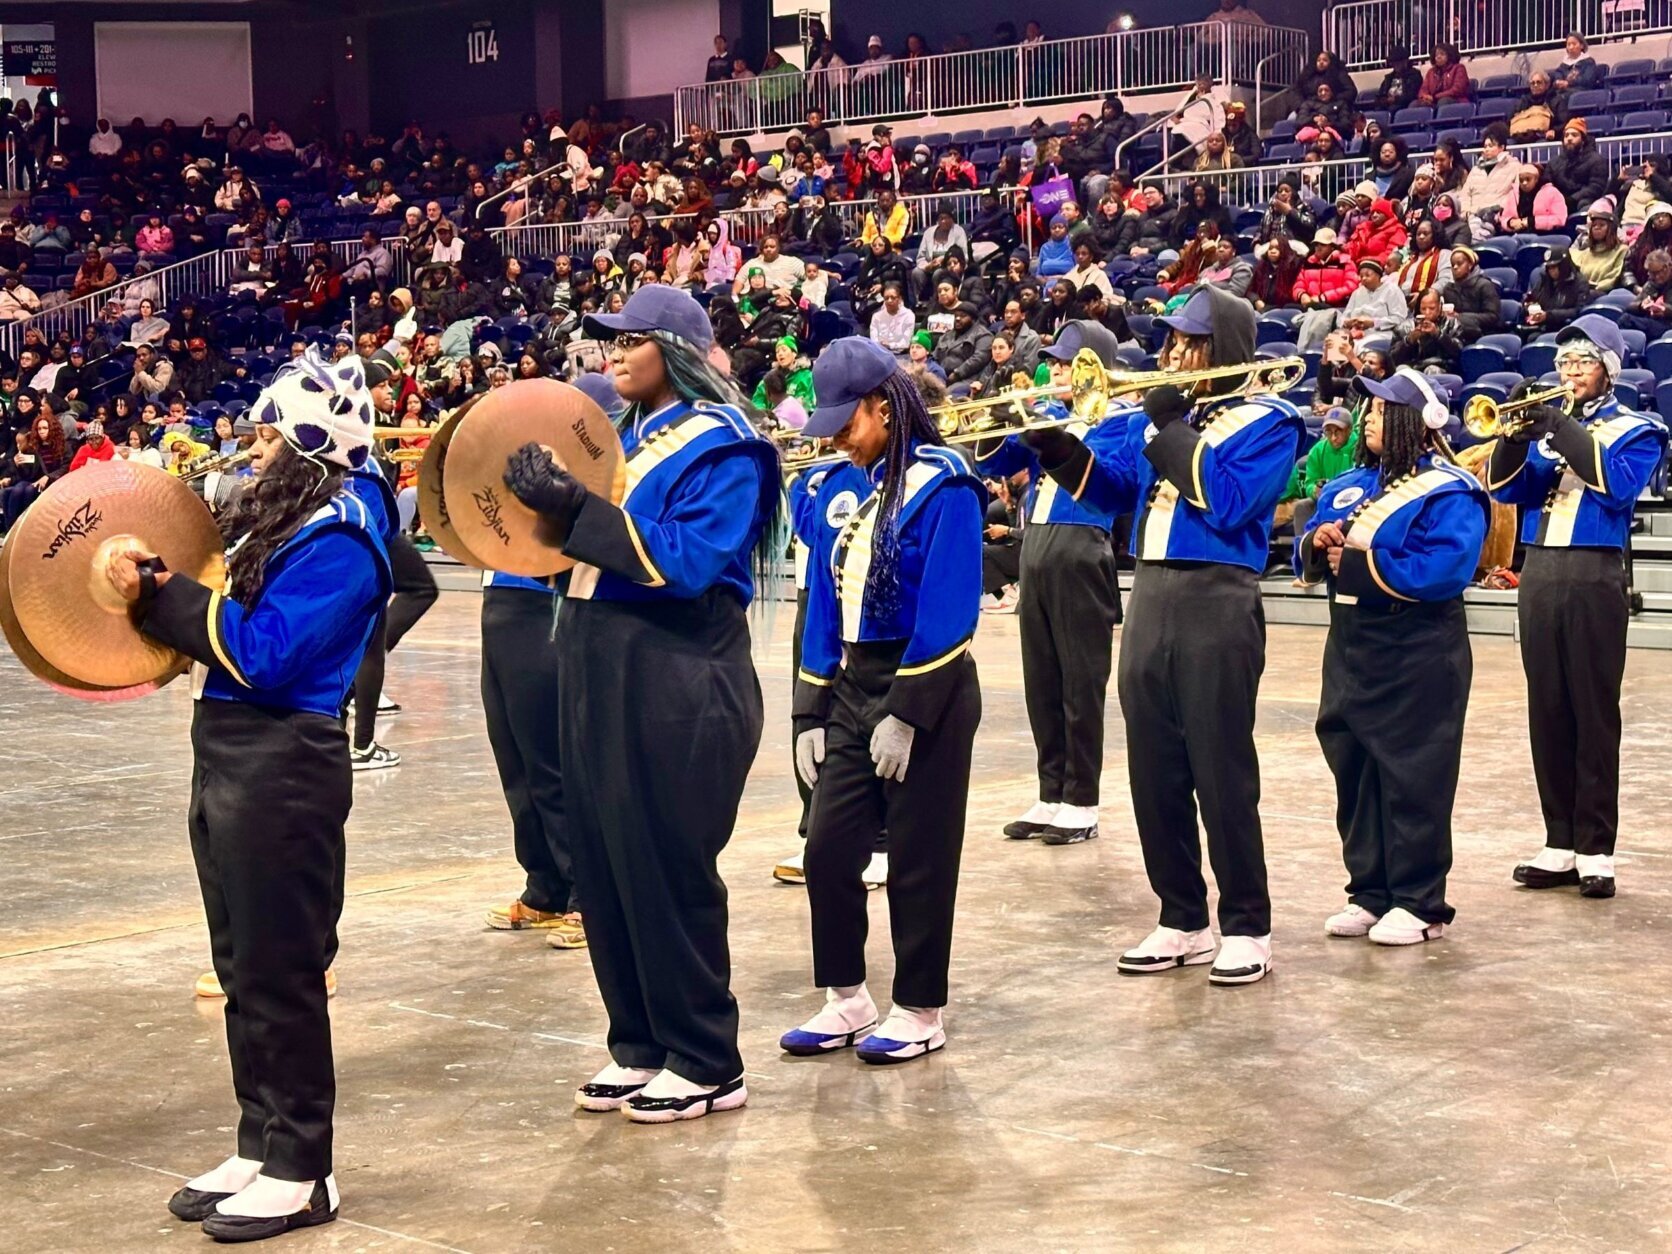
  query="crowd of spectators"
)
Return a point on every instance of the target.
[{"x": 966, "y": 273}]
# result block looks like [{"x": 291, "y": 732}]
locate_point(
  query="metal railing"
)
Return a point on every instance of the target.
[
  {"x": 1164, "y": 58},
  {"x": 1361, "y": 32},
  {"x": 1255, "y": 186}
]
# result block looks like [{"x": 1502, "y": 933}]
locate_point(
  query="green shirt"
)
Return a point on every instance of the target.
[{"x": 1324, "y": 462}]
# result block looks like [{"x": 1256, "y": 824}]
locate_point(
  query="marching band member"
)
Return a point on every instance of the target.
[
  {"x": 1397, "y": 537},
  {"x": 1204, "y": 480},
  {"x": 1578, "y": 472},
  {"x": 1066, "y": 612},
  {"x": 660, "y": 708},
  {"x": 272, "y": 784},
  {"x": 886, "y": 698}
]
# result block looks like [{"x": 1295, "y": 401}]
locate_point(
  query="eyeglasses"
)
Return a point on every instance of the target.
[{"x": 627, "y": 341}]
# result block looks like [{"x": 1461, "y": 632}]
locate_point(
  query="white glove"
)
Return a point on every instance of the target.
[
  {"x": 809, "y": 752},
  {"x": 891, "y": 748},
  {"x": 406, "y": 329}
]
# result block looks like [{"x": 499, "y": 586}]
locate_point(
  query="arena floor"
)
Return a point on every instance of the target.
[{"x": 1502, "y": 1089}]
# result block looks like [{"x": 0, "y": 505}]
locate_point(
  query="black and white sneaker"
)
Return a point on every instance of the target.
[
  {"x": 374, "y": 757},
  {"x": 1550, "y": 868},
  {"x": 388, "y": 705},
  {"x": 1033, "y": 823},
  {"x": 1167, "y": 949},
  {"x": 1247, "y": 959},
  {"x": 1071, "y": 825},
  {"x": 194, "y": 1205},
  {"x": 320, "y": 1208},
  {"x": 1596, "y": 874},
  {"x": 643, "y": 1108},
  {"x": 611, "y": 1087}
]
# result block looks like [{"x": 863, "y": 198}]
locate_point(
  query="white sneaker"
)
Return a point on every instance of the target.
[
  {"x": 375, "y": 757},
  {"x": 875, "y": 874},
  {"x": 1400, "y": 927},
  {"x": 1167, "y": 948},
  {"x": 907, "y": 1033},
  {"x": 1007, "y": 602},
  {"x": 1353, "y": 921},
  {"x": 611, "y": 1087},
  {"x": 989, "y": 603},
  {"x": 790, "y": 870},
  {"x": 1242, "y": 960}
]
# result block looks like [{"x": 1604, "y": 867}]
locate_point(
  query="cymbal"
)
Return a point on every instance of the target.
[
  {"x": 43, "y": 670},
  {"x": 502, "y": 532},
  {"x": 432, "y": 501},
  {"x": 56, "y": 557}
]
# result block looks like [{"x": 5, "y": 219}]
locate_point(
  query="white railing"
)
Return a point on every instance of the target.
[
  {"x": 1361, "y": 32},
  {"x": 1254, "y": 187},
  {"x": 1164, "y": 58}
]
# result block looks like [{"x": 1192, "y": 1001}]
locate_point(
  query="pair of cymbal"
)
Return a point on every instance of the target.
[
  {"x": 462, "y": 497},
  {"x": 59, "y": 612}
]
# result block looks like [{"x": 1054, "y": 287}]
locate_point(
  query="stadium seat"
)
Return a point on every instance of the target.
[
  {"x": 1636, "y": 343},
  {"x": 1285, "y": 152},
  {"x": 1453, "y": 384},
  {"x": 1284, "y": 129},
  {"x": 1585, "y": 103},
  {"x": 1505, "y": 278},
  {"x": 1634, "y": 95},
  {"x": 1510, "y": 312},
  {"x": 1663, "y": 397},
  {"x": 1490, "y": 354},
  {"x": 1455, "y": 111},
  {"x": 1496, "y": 110},
  {"x": 1631, "y": 71},
  {"x": 1635, "y": 388},
  {"x": 1539, "y": 357},
  {"x": 1415, "y": 117},
  {"x": 1502, "y": 85},
  {"x": 1657, "y": 357},
  {"x": 1644, "y": 120}
]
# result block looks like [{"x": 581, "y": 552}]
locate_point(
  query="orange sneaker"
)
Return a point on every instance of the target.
[{"x": 567, "y": 933}]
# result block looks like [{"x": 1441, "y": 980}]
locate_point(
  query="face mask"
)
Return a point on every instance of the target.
[{"x": 1442, "y": 213}]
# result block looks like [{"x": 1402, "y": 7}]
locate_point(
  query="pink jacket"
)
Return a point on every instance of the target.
[
  {"x": 154, "y": 239},
  {"x": 1550, "y": 210}
]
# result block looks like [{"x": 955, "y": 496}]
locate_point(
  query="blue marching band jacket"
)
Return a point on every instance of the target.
[
  {"x": 1581, "y": 484},
  {"x": 298, "y": 645},
  {"x": 1417, "y": 538},
  {"x": 1202, "y": 493},
  {"x": 934, "y": 609},
  {"x": 1047, "y": 501},
  {"x": 702, "y": 485}
]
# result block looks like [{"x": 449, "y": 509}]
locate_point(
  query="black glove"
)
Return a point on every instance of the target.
[
  {"x": 1053, "y": 444},
  {"x": 1541, "y": 420},
  {"x": 1523, "y": 389},
  {"x": 539, "y": 483},
  {"x": 1165, "y": 405}
]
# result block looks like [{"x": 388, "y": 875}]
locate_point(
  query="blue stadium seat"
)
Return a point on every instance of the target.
[
  {"x": 1631, "y": 71},
  {"x": 1467, "y": 136},
  {"x": 1506, "y": 379},
  {"x": 1663, "y": 397},
  {"x": 1602, "y": 124},
  {"x": 1414, "y": 117},
  {"x": 999, "y": 135},
  {"x": 965, "y": 138},
  {"x": 1502, "y": 85},
  {"x": 1510, "y": 312},
  {"x": 1585, "y": 103},
  {"x": 1634, "y": 95},
  {"x": 1284, "y": 129},
  {"x": 1285, "y": 152},
  {"x": 1382, "y": 117},
  {"x": 1636, "y": 344},
  {"x": 1658, "y": 358},
  {"x": 1506, "y": 279},
  {"x": 1636, "y": 388},
  {"x": 1644, "y": 120},
  {"x": 1455, "y": 111},
  {"x": 1539, "y": 357},
  {"x": 1453, "y": 384},
  {"x": 1490, "y": 354},
  {"x": 1495, "y": 110}
]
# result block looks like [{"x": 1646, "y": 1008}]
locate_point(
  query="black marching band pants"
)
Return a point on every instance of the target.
[
  {"x": 1191, "y": 655},
  {"x": 520, "y": 697},
  {"x": 271, "y": 791},
  {"x": 924, "y": 818},
  {"x": 1573, "y": 612},
  {"x": 1390, "y": 721},
  {"x": 1067, "y": 608},
  {"x": 415, "y": 592},
  {"x": 657, "y": 736},
  {"x": 804, "y": 792}
]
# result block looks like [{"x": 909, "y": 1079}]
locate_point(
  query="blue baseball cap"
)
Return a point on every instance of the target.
[
  {"x": 1598, "y": 330},
  {"x": 657, "y": 307},
  {"x": 848, "y": 371},
  {"x": 1194, "y": 317}
]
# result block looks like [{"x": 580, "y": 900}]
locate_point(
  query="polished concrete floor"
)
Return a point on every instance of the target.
[{"x": 1505, "y": 1088}]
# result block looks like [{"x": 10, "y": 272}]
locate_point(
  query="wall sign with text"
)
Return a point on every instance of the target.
[{"x": 482, "y": 43}]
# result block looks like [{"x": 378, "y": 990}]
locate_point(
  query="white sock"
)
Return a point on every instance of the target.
[
  {"x": 616, "y": 1074},
  {"x": 1072, "y": 818},
  {"x": 1590, "y": 864},
  {"x": 267, "y": 1198},
  {"x": 910, "y": 1023},
  {"x": 1550, "y": 859},
  {"x": 667, "y": 1084},
  {"x": 234, "y": 1174},
  {"x": 846, "y": 1009},
  {"x": 1041, "y": 812}
]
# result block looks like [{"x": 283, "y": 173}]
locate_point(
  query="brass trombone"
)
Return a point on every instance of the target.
[{"x": 1487, "y": 419}]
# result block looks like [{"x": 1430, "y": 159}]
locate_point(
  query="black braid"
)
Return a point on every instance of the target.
[
  {"x": 289, "y": 491},
  {"x": 1404, "y": 440},
  {"x": 909, "y": 423}
]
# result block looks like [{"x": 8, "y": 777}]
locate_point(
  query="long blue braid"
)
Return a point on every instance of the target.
[{"x": 909, "y": 423}]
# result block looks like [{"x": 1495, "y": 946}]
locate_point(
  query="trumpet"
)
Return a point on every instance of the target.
[
  {"x": 209, "y": 465},
  {"x": 1089, "y": 390},
  {"x": 799, "y": 452},
  {"x": 1487, "y": 419}
]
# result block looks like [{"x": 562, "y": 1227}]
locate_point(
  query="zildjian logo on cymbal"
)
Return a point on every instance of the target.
[
  {"x": 487, "y": 504},
  {"x": 84, "y": 522}
]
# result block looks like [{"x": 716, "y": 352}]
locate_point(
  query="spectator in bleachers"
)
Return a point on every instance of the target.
[
  {"x": 1379, "y": 235},
  {"x": 1648, "y": 311},
  {"x": 1272, "y": 284},
  {"x": 17, "y": 302},
  {"x": 1201, "y": 114},
  {"x": 1029, "y": 348},
  {"x": 39, "y": 460},
  {"x": 916, "y": 178},
  {"x": 1577, "y": 169},
  {"x": 1196, "y": 255},
  {"x": 966, "y": 350},
  {"x": 155, "y": 236},
  {"x": 1493, "y": 180},
  {"x": 96, "y": 448},
  {"x": 1087, "y": 150},
  {"x": 1216, "y": 155},
  {"x": 1326, "y": 70},
  {"x": 203, "y": 370},
  {"x": 148, "y": 327},
  {"x": 1088, "y": 268},
  {"x": 1535, "y": 206},
  {"x": 1541, "y": 113},
  {"x": 1638, "y": 187},
  {"x": 1401, "y": 84},
  {"x": 880, "y": 268},
  {"x": 1557, "y": 294},
  {"x": 371, "y": 268},
  {"x": 15, "y": 254},
  {"x": 893, "y": 324},
  {"x": 932, "y": 249},
  {"x": 1655, "y": 235},
  {"x": 105, "y": 143},
  {"x": 1201, "y": 204},
  {"x": 1390, "y": 168},
  {"x": 1048, "y": 315},
  {"x": 230, "y": 197},
  {"x": 1056, "y": 254},
  {"x": 1447, "y": 80},
  {"x": 153, "y": 373},
  {"x": 1288, "y": 215},
  {"x": 1432, "y": 343},
  {"x": 1599, "y": 253},
  {"x": 1451, "y": 167},
  {"x": 1471, "y": 298},
  {"x": 888, "y": 217},
  {"x": 1324, "y": 110},
  {"x": 1001, "y": 367},
  {"x": 1367, "y": 137},
  {"x": 1324, "y": 142},
  {"x": 1327, "y": 277},
  {"x": 94, "y": 275},
  {"x": 953, "y": 173},
  {"x": 1225, "y": 269},
  {"x": 1372, "y": 305},
  {"x": 1577, "y": 70}
]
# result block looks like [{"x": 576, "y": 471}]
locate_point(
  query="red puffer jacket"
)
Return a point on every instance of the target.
[
  {"x": 1377, "y": 241},
  {"x": 1328, "y": 282}
]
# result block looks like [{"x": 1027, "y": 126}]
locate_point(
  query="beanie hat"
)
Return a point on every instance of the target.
[
  {"x": 1576, "y": 124},
  {"x": 1603, "y": 208},
  {"x": 321, "y": 408},
  {"x": 923, "y": 338}
]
